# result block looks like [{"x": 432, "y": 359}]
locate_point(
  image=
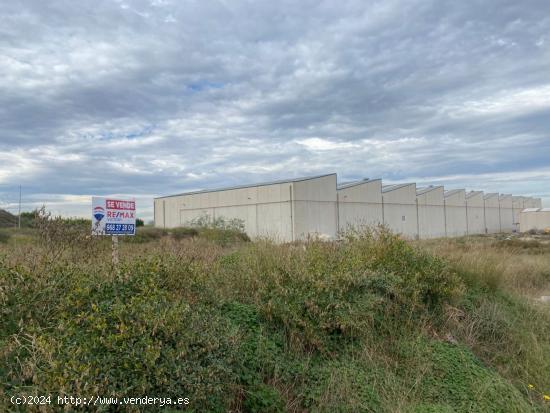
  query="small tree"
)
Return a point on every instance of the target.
[
  {"x": 28, "y": 219},
  {"x": 139, "y": 222}
]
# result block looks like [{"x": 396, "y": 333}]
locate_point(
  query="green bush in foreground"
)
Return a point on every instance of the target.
[
  {"x": 328, "y": 293},
  {"x": 146, "y": 234},
  {"x": 351, "y": 326},
  {"x": 128, "y": 337}
]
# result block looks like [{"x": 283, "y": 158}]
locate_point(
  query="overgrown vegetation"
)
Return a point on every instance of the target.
[
  {"x": 4, "y": 236},
  {"x": 7, "y": 220},
  {"x": 219, "y": 231},
  {"x": 371, "y": 323}
]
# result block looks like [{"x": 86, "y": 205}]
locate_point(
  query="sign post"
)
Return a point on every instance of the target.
[
  {"x": 113, "y": 217},
  {"x": 115, "y": 250}
]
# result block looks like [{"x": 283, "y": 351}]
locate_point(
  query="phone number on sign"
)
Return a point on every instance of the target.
[{"x": 119, "y": 228}]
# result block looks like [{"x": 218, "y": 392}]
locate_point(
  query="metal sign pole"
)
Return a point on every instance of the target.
[{"x": 115, "y": 251}]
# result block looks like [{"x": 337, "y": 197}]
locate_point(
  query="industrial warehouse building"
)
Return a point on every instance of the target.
[
  {"x": 295, "y": 209},
  {"x": 517, "y": 206},
  {"x": 399, "y": 206},
  {"x": 492, "y": 213},
  {"x": 506, "y": 213},
  {"x": 360, "y": 204},
  {"x": 456, "y": 219},
  {"x": 282, "y": 210},
  {"x": 537, "y": 219},
  {"x": 475, "y": 213},
  {"x": 431, "y": 212},
  {"x": 532, "y": 202}
]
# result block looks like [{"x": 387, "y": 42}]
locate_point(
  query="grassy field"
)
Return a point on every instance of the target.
[{"x": 368, "y": 324}]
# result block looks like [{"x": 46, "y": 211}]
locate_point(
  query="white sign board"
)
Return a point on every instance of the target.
[{"x": 112, "y": 216}]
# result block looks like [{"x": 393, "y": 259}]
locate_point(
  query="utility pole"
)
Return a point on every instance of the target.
[{"x": 19, "y": 215}]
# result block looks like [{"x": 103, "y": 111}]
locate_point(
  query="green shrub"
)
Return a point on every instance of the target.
[
  {"x": 261, "y": 355},
  {"x": 458, "y": 380},
  {"x": 128, "y": 336},
  {"x": 183, "y": 233},
  {"x": 28, "y": 219},
  {"x": 58, "y": 236},
  {"x": 329, "y": 294},
  {"x": 146, "y": 234},
  {"x": 223, "y": 236},
  {"x": 330, "y": 383},
  {"x": 4, "y": 237},
  {"x": 356, "y": 325},
  {"x": 220, "y": 230},
  {"x": 261, "y": 398}
]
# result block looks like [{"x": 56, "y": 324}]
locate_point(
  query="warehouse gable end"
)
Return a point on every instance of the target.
[
  {"x": 400, "y": 211},
  {"x": 492, "y": 213},
  {"x": 431, "y": 212},
  {"x": 475, "y": 210},
  {"x": 359, "y": 204},
  {"x": 282, "y": 210},
  {"x": 456, "y": 219}
]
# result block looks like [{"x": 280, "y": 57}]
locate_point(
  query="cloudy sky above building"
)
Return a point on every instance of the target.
[{"x": 147, "y": 98}]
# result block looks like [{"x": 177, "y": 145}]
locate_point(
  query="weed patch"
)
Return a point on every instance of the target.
[{"x": 372, "y": 323}]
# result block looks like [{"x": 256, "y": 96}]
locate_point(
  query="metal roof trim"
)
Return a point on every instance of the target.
[
  {"x": 452, "y": 192},
  {"x": 355, "y": 183},
  {"x": 473, "y": 193},
  {"x": 421, "y": 191},
  {"x": 282, "y": 181},
  {"x": 389, "y": 188}
]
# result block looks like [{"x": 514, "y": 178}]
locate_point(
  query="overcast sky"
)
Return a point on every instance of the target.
[{"x": 148, "y": 98}]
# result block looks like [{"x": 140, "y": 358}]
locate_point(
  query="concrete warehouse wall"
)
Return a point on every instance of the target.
[
  {"x": 315, "y": 207},
  {"x": 295, "y": 209},
  {"x": 529, "y": 202},
  {"x": 455, "y": 213},
  {"x": 534, "y": 219},
  {"x": 399, "y": 206},
  {"x": 431, "y": 212},
  {"x": 475, "y": 212},
  {"x": 360, "y": 204},
  {"x": 517, "y": 207},
  {"x": 271, "y": 202},
  {"x": 506, "y": 214},
  {"x": 528, "y": 219},
  {"x": 283, "y": 211},
  {"x": 492, "y": 213}
]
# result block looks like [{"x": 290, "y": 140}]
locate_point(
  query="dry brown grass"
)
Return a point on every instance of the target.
[
  {"x": 516, "y": 264},
  {"x": 317, "y": 326},
  {"x": 502, "y": 318}
]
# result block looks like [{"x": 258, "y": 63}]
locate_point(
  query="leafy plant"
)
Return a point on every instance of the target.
[
  {"x": 220, "y": 230},
  {"x": 4, "y": 236},
  {"x": 369, "y": 323}
]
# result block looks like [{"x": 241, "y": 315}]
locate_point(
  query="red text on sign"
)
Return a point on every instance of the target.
[{"x": 121, "y": 205}]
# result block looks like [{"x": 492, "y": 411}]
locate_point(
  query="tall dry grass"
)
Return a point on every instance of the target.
[
  {"x": 371, "y": 323},
  {"x": 518, "y": 266},
  {"x": 502, "y": 317}
]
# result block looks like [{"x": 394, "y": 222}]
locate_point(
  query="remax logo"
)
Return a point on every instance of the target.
[{"x": 99, "y": 213}]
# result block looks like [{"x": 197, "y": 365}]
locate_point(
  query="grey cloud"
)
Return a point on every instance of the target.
[{"x": 153, "y": 97}]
